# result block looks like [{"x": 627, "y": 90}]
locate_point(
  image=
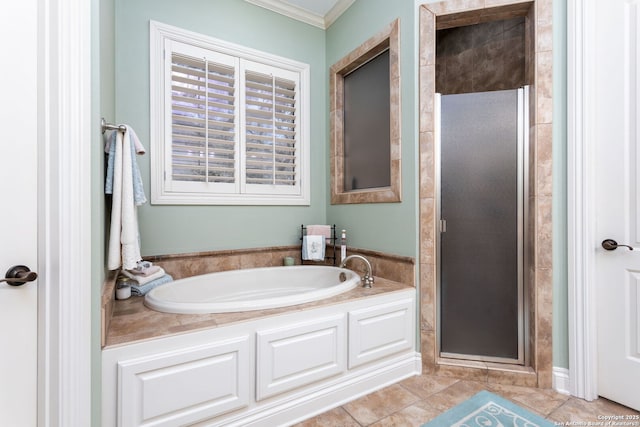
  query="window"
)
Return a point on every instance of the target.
[{"x": 229, "y": 124}]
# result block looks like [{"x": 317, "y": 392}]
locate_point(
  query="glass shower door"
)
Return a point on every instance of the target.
[{"x": 482, "y": 196}]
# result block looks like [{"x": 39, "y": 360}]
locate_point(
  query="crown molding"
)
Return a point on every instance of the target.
[
  {"x": 336, "y": 11},
  {"x": 304, "y": 15}
]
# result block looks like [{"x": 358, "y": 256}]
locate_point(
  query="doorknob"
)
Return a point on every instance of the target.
[
  {"x": 611, "y": 245},
  {"x": 19, "y": 275}
]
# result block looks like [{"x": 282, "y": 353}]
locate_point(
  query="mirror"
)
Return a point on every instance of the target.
[{"x": 365, "y": 122}]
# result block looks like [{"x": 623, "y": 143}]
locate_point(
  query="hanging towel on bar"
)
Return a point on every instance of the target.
[
  {"x": 136, "y": 148},
  {"x": 313, "y": 248},
  {"x": 321, "y": 230},
  {"x": 124, "y": 241}
]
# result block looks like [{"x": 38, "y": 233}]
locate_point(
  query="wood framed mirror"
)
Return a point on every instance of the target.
[{"x": 365, "y": 122}]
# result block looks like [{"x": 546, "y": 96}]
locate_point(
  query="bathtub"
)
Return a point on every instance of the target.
[{"x": 251, "y": 289}]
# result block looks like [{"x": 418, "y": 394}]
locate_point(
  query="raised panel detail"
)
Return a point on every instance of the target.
[
  {"x": 633, "y": 314},
  {"x": 298, "y": 355},
  {"x": 380, "y": 331},
  {"x": 184, "y": 386}
]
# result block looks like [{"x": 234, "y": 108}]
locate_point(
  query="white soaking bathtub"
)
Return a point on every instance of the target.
[{"x": 251, "y": 289}]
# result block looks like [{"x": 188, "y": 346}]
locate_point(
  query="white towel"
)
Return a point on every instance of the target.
[
  {"x": 143, "y": 280},
  {"x": 124, "y": 243},
  {"x": 313, "y": 248}
]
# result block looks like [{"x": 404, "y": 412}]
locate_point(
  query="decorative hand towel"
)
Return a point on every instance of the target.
[
  {"x": 143, "y": 289},
  {"x": 143, "y": 280},
  {"x": 125, "y": 183},
  {"x": 313, "y": 248},
  {"x": 136, "y": 148},
  {"x": 144, "y": 268},
  {"x": 320, "y": 230}
]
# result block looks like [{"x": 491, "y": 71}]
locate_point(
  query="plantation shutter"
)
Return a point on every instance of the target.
[
  {"x": 228, "y": 129},
  {"x": 203, "y": 120},
  {"x": 271, "y": 142}
]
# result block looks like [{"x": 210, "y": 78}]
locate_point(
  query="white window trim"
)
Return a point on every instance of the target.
[{"x": 162, "y": 195}]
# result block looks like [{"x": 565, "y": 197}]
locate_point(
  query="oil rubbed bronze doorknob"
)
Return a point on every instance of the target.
[
  {"x": 19, "y": 275},
  {"x": 612, "y": 245}
]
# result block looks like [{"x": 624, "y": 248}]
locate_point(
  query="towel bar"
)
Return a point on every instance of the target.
[{"x": 108, "y": 126}]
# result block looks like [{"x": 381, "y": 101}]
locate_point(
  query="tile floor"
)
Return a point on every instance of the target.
[{"x": 418, "y": 399}]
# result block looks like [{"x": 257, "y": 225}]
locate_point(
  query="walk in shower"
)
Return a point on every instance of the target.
[{"x": 482, "y": 186}]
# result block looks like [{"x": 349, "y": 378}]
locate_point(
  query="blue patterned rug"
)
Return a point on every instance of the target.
[{"x": 488, "y": 410}]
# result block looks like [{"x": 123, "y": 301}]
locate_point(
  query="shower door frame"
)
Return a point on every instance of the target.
[{"x": 523, "y": 233}]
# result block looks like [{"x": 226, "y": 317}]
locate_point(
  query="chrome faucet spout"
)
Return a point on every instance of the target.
[{"x": 367, "y": 279}]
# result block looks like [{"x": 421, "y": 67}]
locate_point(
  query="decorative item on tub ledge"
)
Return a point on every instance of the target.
[{"x": 329, "y": 234}]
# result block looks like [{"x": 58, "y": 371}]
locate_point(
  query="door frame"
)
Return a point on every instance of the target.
[
  {"x": 583, "y": 374},
  {"x": 65, "y": 131}
]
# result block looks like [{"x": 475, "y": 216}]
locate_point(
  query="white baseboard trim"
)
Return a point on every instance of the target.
[
  {"x": 561, "y": 382},
  {"x": 313, "y": 402}
]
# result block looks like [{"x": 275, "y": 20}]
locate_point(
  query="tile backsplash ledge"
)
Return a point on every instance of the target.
[{"x": 392, "y": 267}]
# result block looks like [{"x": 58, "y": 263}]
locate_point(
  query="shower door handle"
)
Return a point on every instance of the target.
[{"x": 612, "y": 245}]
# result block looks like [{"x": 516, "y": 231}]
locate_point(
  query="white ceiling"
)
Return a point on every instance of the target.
[{"x": 319, "y": 13}]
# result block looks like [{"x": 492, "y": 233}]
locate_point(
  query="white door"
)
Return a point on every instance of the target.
[
  {"x": 18, "y": 212},
  {"x": 617, "y": 166}
]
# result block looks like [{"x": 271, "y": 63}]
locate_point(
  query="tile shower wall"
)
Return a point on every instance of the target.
[
  {"x": 540, "y": 50},
  {"x": 482, "y": 57}
]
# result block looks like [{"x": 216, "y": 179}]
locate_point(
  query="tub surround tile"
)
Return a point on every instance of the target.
[
  {"x": 107, "y": 304},
  {"x": 132, "y": 321},
  {"x": 191, "y": 264}
]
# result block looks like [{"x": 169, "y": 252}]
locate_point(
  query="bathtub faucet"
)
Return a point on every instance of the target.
[{"x": 367, "y": 279}]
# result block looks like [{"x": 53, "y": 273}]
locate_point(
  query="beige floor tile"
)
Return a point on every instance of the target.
[
  {"x": 380, "y": 404},
  {"x": 419, "y": 399},
  {"x": 608, "y": 407},
  {"x": 411, "y": 416},
  {"x": 337, "y": 417},
  {"x": 580, "y": 411},
  {"x": 539, "y": 401},
  {"x": 424, "y": 386},
  {"x": 457, "y": 393}
]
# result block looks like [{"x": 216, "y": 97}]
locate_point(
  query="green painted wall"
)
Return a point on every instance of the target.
[
  {"x": 392, "y": 227},
  {"x": 387, "y": 227},
  {"x": 179, "y": 229},
  {"x": 560, "y": 281}
]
